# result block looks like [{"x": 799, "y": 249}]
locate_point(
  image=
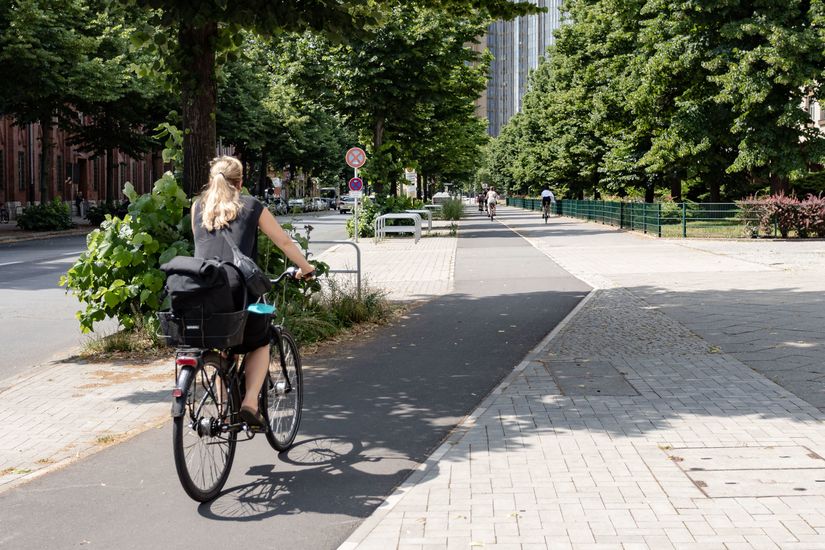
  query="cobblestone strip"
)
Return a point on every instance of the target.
[
  {"x": 69, "y": 410},
  {"x": 541, "y": 469}
]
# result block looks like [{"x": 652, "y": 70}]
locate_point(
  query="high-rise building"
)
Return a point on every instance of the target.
[{"x": 516, "y": 46}]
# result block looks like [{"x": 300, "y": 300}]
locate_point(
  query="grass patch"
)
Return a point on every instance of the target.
[
  {"x": 452, "y": 209},
  {"x": 336, "y": 309},
  {"x": 138, "y": 344}
]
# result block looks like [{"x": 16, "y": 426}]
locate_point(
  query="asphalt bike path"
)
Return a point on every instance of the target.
[{"x": 374, "y": 410}]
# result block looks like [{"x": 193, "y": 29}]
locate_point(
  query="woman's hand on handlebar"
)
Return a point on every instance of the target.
[{"x": 305, "y": 276}]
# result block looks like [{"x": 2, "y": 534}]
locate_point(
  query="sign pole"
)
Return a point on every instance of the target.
[
  {"x": 355, "y": 158},
  {"x": 355, "y": 212}
]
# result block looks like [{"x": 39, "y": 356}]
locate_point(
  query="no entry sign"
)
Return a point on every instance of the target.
[{"x": 356, "y": 157}]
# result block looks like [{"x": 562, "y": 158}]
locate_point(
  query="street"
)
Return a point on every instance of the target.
[{"x": 37, "y": 321}]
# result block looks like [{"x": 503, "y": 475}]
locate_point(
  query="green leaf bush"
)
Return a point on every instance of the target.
[
  {"x": 452, "y": 209},
  {"x": 47, "y": 216},
  {"x": 118, "y": 275},
  {"x": 97, "y": 214}
]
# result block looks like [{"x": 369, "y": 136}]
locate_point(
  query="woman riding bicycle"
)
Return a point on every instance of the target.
[{"x": 221, "y": 207}]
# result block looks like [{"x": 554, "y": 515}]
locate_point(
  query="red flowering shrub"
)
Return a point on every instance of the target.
[
  {"x": 812, "y": 217},
  {"x": 783, "y": 212}
]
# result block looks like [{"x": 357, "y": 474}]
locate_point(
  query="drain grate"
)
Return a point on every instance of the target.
[
  {"x": 585, "y": 378},
  {"x": 722, "y": 472}
]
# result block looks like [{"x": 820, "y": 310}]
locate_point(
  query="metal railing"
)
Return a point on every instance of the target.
[
  {"x": 357, "y": 269},
  {"x": 673, "y": 220}
]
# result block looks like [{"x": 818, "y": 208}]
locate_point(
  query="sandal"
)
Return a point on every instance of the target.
[{"x": 252, "y": 417}]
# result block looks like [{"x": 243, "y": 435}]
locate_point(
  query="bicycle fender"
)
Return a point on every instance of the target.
[{"x": 184, "y": 379}]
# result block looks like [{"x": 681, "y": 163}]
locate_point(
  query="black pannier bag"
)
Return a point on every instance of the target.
[{"x": 207, "y": 311}]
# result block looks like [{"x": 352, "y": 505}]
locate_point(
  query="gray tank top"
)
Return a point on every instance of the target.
[{"x": 243, "y": 230}]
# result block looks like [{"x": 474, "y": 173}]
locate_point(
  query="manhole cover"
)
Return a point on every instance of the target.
[
  {"x": 753, "y": 471},
  {"x": 586, "y": 378}
]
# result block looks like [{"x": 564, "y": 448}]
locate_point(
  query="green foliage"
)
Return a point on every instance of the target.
[
  {"x": 97, "y": 214},
  {"x": 452, "y": 209},
  {"x": 210, "y": 31},
  {"x": 47, "y": 216},
  {"x": 118, "y": 275},
  {"x": 172, "y": 139},
  {"x": 697, "y": 99},
  {"x": 415, "y": 107}
]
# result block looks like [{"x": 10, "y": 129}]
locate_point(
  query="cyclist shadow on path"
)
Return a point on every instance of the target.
[{"x": 278, "y": 492}]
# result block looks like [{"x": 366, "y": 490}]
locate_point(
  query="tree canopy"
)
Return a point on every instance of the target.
[{"x": 690, "y": 99}]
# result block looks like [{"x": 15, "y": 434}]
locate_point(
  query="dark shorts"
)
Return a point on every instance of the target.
[
  {"x": 546, "y": 200},
  {"x": 255, "y": 335}
]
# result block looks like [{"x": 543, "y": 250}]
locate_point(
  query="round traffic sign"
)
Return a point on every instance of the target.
[
  {"x": 356, "y": 157},
  {"x": 356, "y": 184}
]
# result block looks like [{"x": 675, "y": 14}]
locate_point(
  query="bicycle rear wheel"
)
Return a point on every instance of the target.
[
  {"x": 284, "y": 396},
  {"x": 203, "y": 451}
]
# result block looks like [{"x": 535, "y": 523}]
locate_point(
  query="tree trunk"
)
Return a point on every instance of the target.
[
  {"x": 240, "y": 151},
  {"x": 715, "y": 190},
  {"x": 199, "y": 93},
  {"x": 45, "y": 167},
  {"x": 377, "y": 142},
  {"x": 676, "y": 189},
  {"x": 263, "y": 180},
  {"x": 779, "y": 185},
  {"x": 649, "y": 190}
]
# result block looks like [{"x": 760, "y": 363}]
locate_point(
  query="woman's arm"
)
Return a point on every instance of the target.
[{"x": 272, "y": 229}]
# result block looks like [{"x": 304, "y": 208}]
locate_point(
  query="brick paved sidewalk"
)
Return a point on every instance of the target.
[
  {"x": 406, "y": 270},
  {"x": 624, "y": 429}
]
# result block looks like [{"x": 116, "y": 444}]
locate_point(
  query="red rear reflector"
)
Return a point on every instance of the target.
[
  {"x": 186, "y": 362},
  {"x": 177, "y": 392}
]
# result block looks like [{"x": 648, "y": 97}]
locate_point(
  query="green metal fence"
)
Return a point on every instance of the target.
[{"x": 695, "y": 220}]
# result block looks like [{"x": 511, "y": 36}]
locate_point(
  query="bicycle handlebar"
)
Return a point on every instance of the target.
[{"x": 291, "y": 273}]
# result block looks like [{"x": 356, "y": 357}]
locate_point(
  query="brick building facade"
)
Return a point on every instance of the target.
[{"x": 72, "y": 170}]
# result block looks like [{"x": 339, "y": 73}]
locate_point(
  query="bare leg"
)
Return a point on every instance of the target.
[{"x": 257, "y": 363}]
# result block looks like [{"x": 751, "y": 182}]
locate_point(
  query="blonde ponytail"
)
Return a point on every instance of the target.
[{"x": 221, "y": 199}]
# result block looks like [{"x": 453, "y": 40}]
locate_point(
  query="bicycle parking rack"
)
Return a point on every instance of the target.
[
  {"x": 381, "y": 227},
  {"x": 422, "y": 213},
  {"x": 357, "y": 269}
]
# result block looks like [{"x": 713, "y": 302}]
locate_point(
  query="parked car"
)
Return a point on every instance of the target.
[
  {"x": 296, "y": 205},
  {"x": 441, "y": 197},
  {"x": 320, "y": 204},
  {"x": 346, "y": 204}
]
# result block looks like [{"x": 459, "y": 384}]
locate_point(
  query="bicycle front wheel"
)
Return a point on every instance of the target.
[
  {"x": 284, "y": 396},
  {"x": 203, "y": 450}
]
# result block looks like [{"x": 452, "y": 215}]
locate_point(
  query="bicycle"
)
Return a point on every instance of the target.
[
  {"x": 545, "y": 211},
  {"x": 209, "y": 388},
  {"x": 491, "y": 208}
]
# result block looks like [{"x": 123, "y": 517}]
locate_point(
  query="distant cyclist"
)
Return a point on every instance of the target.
[
  {"x": 547, "y": 198},
  {"x": 492, "y": 200}
]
